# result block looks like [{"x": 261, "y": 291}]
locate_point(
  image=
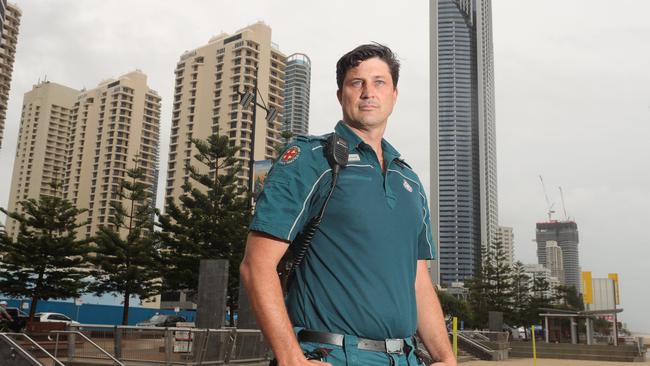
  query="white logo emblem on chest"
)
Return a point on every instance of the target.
[
  {"x": 354, "y": 157},
  {"x": 407, "y": 186}
]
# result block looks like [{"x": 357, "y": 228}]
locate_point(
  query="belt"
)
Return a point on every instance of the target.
[{"x": 390, "y": 345}]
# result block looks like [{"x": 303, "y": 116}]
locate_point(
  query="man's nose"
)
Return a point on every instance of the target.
[{"x": 367, "y": 91}]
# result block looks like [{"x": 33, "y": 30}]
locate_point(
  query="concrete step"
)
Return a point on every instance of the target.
[
  {"x": 550, "y": 348},
  {"x": 568, "y": 346},
  {"x": 577, "y": 352},
  {"x": 576, "y": 356},
  {"x": 464, "y": 356}
]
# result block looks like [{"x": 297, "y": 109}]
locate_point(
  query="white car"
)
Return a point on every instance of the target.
[{"x": 54, "y": 317}]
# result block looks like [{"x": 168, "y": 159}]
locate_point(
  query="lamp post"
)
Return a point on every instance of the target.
[{"x": 246, "y": 98}]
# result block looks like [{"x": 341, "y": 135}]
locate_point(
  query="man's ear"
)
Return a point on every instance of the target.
[{"x": 338, "y": 95}]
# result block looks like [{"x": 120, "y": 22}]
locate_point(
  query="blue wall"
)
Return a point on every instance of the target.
[{"x": 99, "y": 314}]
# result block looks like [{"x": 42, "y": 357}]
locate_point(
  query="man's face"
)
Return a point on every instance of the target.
[{"x": 367, "y": 95}]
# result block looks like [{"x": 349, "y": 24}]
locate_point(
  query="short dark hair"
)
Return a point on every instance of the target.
[{"x": 364, "y": 52}]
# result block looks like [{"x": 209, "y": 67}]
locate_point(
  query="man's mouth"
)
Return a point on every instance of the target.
[{"x": 368, "y": 106}]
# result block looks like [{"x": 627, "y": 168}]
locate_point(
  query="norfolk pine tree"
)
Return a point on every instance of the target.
[
  {"x": 500, "y": 275},
  {"x": 46, "y": 261},
  {"x": 211, "y": 221},
  {"x": 539, "y": 300},
  {"x": 520, "y": 294},
  {"x": 480, "y": 289},
  {"x": 491, "y": 289},
  {"x": 127, "y": 260},
  {"x": 569, "y": 298}
]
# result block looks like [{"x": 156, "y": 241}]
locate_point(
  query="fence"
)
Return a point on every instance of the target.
[
  {"x": 97, "y": 313},
  {"x": 167, "y": 346}
]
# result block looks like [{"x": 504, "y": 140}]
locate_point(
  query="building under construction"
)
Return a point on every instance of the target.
[{"x": 565, "y": 233}]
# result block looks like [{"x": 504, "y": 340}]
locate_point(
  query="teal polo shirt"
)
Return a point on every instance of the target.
[{"x": 358, "y": 276}]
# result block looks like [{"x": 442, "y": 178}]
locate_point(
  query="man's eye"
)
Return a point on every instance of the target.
[
  {"x": 380, "y": 82},
  {"x": 357, "y": 83}
]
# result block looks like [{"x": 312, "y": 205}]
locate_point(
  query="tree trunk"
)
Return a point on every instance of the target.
[
  {"x": 32, "y": 308},
  {"x": 37, "y": 288},
  {"x": 125, "y": 313}
]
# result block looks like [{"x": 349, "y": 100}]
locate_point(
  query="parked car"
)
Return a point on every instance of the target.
[
  {"x": 54, "y": 318},
  {"x": 162, "y": 320}
]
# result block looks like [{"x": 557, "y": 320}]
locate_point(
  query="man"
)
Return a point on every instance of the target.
[
  {"x": 363, "y": 289},
  {"x": 4, "y": 315}
]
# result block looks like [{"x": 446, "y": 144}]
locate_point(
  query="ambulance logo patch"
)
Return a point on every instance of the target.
[
  {"x": 290, "y": 155},
  {"x": 407, "y": 186}
]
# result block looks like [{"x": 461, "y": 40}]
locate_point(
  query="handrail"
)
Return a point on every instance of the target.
[
  {"x": 32, "y": 358},
  {"x": 194, "y": 329},
  {"x": 475, "y": 344},
  {"x": 87, "y": 339},
  {"x": 476, "y": 334}
]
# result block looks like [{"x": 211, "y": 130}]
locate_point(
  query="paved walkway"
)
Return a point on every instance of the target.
[{"x": 551, "y": 362}]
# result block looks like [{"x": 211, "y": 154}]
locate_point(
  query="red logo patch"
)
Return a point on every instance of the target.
[{"x": 290, "y": 155}]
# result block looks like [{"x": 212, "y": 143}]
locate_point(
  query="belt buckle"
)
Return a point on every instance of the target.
[{"x": 394, "y": 345}]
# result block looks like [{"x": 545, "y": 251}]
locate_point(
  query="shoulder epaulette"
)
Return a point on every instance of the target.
[
  {"x": 311, "y": 138},
  {"x": 402, "y": 163}
]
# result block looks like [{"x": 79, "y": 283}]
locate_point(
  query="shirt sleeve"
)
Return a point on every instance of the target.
[
  {"x": 290, "y": 190},
  {"x": 426, "y": 244}
]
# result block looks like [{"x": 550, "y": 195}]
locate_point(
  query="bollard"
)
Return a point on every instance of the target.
[
  {"x": 532, "y": 332},
  {"x": 71, "y": 346},
  {"x": 454, "y": 328},
  {"x": 169, "y": 346},
  {"x": 117, "y": 342}
]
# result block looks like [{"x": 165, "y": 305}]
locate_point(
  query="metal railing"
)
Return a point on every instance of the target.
[
  {"x": 71, "y": 340},
  {"x": 10, "y": 338},
  {"x": 474, "y": 334},
  {"x": 167, "y": 346},
  {"x": 486, "y": 335},
  {"x": 475, "y": 344}
]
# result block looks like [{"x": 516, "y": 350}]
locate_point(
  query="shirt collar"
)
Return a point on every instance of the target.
[{"x": 354, "y": 141}]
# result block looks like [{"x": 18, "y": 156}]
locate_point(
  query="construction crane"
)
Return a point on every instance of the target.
[
  {"x": 566, "y": 217},
  {"x": 549, "y": 205}
]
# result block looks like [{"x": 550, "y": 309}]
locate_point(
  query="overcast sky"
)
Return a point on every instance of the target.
[{"x": 572, "y": 96}]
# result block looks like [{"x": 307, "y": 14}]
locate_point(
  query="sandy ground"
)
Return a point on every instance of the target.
[{"x": 551, "y": 362}]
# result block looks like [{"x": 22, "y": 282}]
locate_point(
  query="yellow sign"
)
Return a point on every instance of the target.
[
  {"x": 617, "y": 294},
  {"x": 587, "y": 288}
]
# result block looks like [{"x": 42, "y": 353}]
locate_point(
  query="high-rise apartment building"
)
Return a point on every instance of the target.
[
  {"x": 297, "y": 79},
  {"x": 113, "y": 126},
  {"x": 554, "y": 260},
  {"x": 10, "y": 24},
  {"x": 506, "y": 237},
  {"x": 539, "y": 272},
  {"x": 42, "y": 145},
  {"x": 206, "y": 100},
  {"x": 565, "y": 233},
  {"x": 463, "y": 137},
  {"x": 3, "y": 10}
]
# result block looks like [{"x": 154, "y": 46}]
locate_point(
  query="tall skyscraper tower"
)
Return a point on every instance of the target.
[
  {"x": 463, "y": 139},
  {"x": 42, "y": 145},
  {"x": 506, "y": 237},
  {"x": 565, "y": 233},
  {"x": 3, "y": 10},
  {"x": 297, "y": 79},
  {"x": 112, "y": 125},
  {"x": 554, "y": 260},
  {"x": 10, "y": 24},
  {"x": 206, "y": 100}
]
